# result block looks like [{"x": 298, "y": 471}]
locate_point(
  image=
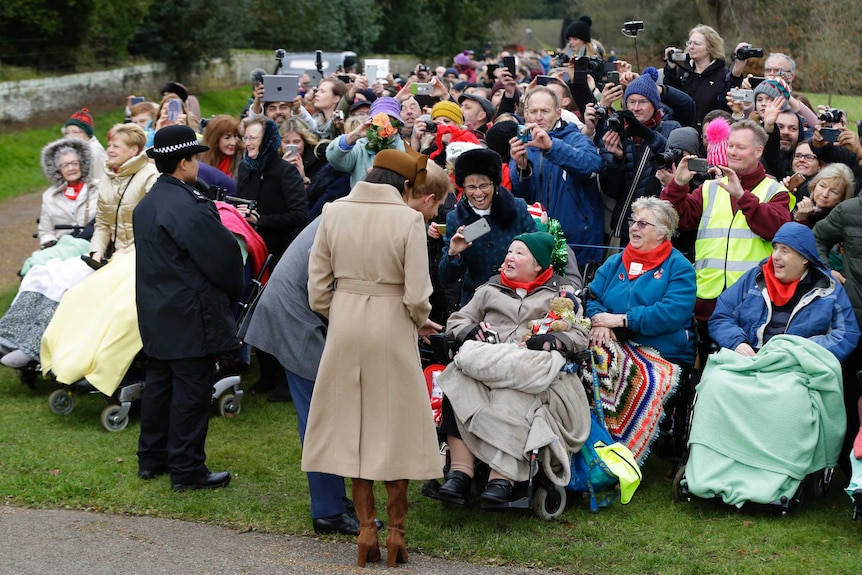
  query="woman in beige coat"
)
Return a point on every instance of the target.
[
  {"x": 370, "y": 417},
  {"x": 128, "y": 176}
]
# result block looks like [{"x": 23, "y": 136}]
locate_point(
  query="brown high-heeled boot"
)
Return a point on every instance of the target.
[
  {"x": 368, "y": 547},
  {"x": 396, "y": 506}
]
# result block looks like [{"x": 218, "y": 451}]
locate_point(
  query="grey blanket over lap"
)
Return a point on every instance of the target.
[{"x": 509, "y": 400}]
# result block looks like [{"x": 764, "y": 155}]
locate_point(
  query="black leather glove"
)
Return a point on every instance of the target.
[
  {"x": 542, "y": 342},
  {"x": 472, "y": 333},
  {"x": 633, "y": 125}
]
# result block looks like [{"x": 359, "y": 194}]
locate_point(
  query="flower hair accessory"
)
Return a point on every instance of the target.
[{"x": 381, "y": 134}]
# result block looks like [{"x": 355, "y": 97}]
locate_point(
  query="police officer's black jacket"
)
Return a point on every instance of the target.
[{"x": 189, "y": 269}]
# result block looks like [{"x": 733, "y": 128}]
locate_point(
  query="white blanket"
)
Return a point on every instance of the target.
[{"x": 509, "y": 400}]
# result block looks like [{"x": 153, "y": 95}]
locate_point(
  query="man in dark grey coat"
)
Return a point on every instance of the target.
[
  {"x": 284, "y": 325},
  {"x": 188, "y": 270}
]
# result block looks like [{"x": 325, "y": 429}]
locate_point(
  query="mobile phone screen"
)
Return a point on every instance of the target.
[{"x": 509, "y": 63}]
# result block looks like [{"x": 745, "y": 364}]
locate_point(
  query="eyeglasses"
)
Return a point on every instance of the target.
[
  {"x": 639, "y": 224},
  {"x": 483, "y": 187},
  {"x": 775, "y": 71},
  {"x": 809, "y": 157},
  {"x": 250, "y": 138},
  {"x": 65, "y": 165},
  {"x": 694, "y": 43}
]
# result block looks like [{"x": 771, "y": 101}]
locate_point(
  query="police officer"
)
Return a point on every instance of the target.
[{"x": 189, "y": 269}]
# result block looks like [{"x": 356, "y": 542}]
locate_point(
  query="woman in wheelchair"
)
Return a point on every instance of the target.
[
  {"x": 644, "y": 303},
  {"x": 791, "y": 293},
  {"x": 501, "y": 312},
  {"x": 770, "y": 407}
]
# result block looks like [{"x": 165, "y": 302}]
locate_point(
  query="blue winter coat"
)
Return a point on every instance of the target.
[
  {"x": 659, "y": 304},
  {"x": 562, "y": 180},
  {"x": 482, "y": 260},
  {"x": 823, "y": 315}
]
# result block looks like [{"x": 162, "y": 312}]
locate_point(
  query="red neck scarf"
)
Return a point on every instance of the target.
[
  {"x": 224, "y": 165},
  {"x": 72, "y": 190},
  {"x": 653, "y": 123},
  {"x": 778, "y": 291},
  {"x": 647, "y": 260},
  {"x": 529, "y": 286}
]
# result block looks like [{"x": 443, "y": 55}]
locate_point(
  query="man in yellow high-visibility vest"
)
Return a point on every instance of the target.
[{"x": 735, "y": 217}]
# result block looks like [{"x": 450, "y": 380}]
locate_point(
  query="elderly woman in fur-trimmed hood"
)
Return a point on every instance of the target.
[{"x": 71, "y": 199}]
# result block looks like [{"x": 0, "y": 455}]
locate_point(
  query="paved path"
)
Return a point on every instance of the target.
[
  {"x": 36, "y": 542},
  {"x": 17, "y": 224}
]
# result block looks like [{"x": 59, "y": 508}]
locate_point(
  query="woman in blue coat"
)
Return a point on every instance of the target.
[
  {"x": 648, "y": 290},
  {"x": 479, "y": 173},
  {"x": 792, "y": 292}
]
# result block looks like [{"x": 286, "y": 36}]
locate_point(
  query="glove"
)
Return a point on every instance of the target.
[
  {"x": 633, "y": 125},
  {"x": 472, "y": 333},
  {"x": 543, "y": 342}
]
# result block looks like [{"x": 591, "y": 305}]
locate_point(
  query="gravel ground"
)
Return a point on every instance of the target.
[
  {"x": 39, "y": 541},
  {"x": 17, "y": 224}
]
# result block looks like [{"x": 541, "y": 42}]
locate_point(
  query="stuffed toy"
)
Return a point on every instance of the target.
[{"x": 559, "y": 318}]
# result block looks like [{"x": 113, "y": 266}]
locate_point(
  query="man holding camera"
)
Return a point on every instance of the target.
[
  {"x": 629, "y": 139},
  {"x": 735, "y": 217},
  {"x": 553, "y": 163}
]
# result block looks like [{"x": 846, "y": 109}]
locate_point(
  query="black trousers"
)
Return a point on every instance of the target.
[{"x": 175, "y": 410}]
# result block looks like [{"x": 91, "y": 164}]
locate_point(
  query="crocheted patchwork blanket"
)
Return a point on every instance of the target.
[{"x": 635, "y": 381}]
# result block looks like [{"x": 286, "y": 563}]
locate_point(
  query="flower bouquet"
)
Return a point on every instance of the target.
[{"x": 381, "y": 134}]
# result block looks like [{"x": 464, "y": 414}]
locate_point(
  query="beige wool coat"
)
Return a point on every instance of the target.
[
  {"x": 370, "y": 414},
  {"x": 113, "y": 215}
]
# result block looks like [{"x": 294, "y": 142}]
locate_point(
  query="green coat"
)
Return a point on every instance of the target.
[{"x": 844, "y": 224}]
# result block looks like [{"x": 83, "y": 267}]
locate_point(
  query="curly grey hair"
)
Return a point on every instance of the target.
[{"x": 666, "y": 218}]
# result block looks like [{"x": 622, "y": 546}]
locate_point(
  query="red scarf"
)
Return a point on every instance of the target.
[
  {"x": 648, "y": 260},
  {"x": 779, "y": 292},
  {"x": 529, "y": 286},
  {"x": 72, "y": 190},
  {"x": 653, "y": 124},
  {"x": 224, "y": 165}
]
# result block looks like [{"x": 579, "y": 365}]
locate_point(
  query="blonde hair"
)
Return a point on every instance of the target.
[
  {"x": 294, "y": 124},
  {"x": 838, "y": 173},
  {"x": 437, "y": 182},
  {"x": 132, "y": 135},
  {"x": 714, "y": 42}
]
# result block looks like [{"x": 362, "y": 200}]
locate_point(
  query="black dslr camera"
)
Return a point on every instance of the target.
[
  {"x": 746, "y": 53},
  {"x": 612, "y": 121},
  {"x": 831, "y": 116},
  {"x": 667, "y": 159}
]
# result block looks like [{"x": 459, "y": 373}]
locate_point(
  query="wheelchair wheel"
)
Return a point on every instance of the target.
[
  {"x": 549, "y": 503},
  {"x": 228, "y": 406},
  {"x": 61, "y": 402},
  {"x": 113, "y": 419}
]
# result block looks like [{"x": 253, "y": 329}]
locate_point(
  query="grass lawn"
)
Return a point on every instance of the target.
[{"x": 69, "y": 461}]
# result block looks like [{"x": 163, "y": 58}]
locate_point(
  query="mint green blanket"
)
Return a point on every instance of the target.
[{"x": 762, "y": 423}]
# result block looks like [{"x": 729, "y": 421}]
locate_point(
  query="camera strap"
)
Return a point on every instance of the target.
[{"x": 618, "y": 229}]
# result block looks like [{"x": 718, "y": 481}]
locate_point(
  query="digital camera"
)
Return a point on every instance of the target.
[{"x": 746, "y": 53}]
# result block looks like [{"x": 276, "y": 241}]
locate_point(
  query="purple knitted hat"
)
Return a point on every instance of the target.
[{"x": 388, "y": 106}]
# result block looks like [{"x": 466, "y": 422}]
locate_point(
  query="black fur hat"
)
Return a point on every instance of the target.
[{"x": 480, "y": 161}]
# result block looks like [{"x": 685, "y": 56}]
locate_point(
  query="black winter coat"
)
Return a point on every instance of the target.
[
  {"x": 708, "y": 89},
  {"x": 189, "y": 269},
  {"x": 281, "y": 203}
]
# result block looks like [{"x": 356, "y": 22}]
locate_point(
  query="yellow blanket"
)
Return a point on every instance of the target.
[{"x": 94, "y": 332}]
